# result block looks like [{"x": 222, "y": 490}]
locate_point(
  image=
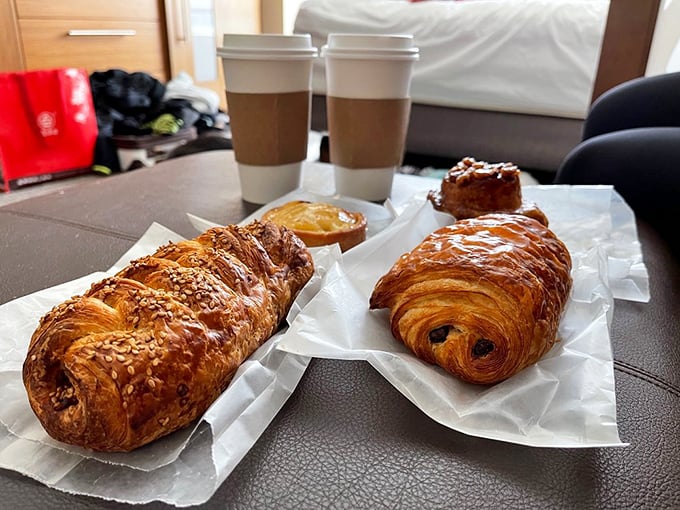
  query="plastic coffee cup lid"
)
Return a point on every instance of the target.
[
  {"x": 379, "y": 46},
  {"x": 267, "y": 47}
]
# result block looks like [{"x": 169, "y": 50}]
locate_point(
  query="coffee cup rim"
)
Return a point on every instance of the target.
[
  {"x": 266, "y": 46},
  {"x": 233, "y": 53},
  {"x": 370, "y": 53}
]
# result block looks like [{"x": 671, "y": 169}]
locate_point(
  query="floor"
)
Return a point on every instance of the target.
[
  {"x": 430, "y": 167},
  {"x": 43, "y": 188},
  {"x": 59, "y": 184}
]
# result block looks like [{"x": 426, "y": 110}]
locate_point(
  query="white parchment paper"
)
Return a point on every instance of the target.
[
  {"x": 184, "y": 468},
  {"x": 567, "y": 399}
]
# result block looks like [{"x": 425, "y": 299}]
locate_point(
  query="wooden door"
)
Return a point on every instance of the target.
[{"x": 195, "y": 29}]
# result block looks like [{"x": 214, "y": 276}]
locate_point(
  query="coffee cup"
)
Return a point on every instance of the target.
[
  {"x": 368, "y": 104},
  {"x": 268, "y": 90}
]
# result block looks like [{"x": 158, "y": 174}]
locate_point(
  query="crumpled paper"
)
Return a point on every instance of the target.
[
  {"x": 377, "y": 216},
  {"x": 187, "y": 467},
  {"x": 184, "y": 468},
  {"x": 567, "y": 399}
]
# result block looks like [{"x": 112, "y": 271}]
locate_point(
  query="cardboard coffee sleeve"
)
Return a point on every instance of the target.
[
  {"x": 367, "y": 133},
  {"x": 269, "y": 129}
]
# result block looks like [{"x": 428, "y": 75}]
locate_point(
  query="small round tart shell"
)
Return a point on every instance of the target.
[{"x": 320, "y": 224}]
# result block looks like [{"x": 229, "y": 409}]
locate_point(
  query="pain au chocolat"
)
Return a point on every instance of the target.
[
  {"x": 482, "y": 298},
  {"x": 472, "y": 188},
  {"x": 147, "y": 351},
  {"x": 320, "y": 223}
]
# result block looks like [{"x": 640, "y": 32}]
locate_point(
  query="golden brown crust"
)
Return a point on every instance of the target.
[
  {"x": 145, "y": 352},
  {"x": 482, "y": 298},
  {"x": 472, "y": 188},
  {"x": 320, "y": 224}
]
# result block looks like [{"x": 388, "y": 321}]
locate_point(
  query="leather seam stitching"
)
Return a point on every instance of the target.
[
  {"x": 646, "y": 376},
  {"x": 75, "y": 224}
]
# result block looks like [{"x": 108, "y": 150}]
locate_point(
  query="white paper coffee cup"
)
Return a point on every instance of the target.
[
  {"x": 368, "y": 80},
  {"x": 268, "y": 88}
]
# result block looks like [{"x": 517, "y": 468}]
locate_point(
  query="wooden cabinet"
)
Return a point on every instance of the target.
[
  {"x": 160, "y": 37},
  {"x": 95, "y": 35},
  {"x": 10, "y": 42}
]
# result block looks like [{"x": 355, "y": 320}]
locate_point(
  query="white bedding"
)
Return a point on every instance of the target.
[{"x": 522, "y": 56}]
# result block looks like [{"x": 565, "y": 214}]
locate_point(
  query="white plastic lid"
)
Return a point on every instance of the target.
[
  {"x": 381, "y": 46},
  {"x": 267, "y": 46}
]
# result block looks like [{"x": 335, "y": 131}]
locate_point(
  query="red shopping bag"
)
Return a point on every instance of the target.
[{"x": 48, "y": 125}]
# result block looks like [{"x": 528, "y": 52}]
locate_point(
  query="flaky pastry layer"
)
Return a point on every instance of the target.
[
  {"x": 147, "y": 351},
  {"x": 482, "y": 298}
]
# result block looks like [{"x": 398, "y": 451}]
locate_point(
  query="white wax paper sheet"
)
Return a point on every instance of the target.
[
  {"x": 377, "y": 216},
  {"x": 184, "y": 468},
  {"x": 567, "y": 399}
]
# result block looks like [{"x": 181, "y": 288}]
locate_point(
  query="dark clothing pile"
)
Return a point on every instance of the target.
[{"x": 132, "y": 104}]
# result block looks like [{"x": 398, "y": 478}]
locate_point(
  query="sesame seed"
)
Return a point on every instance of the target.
[{"x": 131, "y": 370}]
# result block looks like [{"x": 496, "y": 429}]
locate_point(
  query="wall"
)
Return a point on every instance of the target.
[{"x": 664, "y": 54}]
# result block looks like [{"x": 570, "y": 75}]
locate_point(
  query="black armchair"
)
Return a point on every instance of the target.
[{"x": 631, "y": 139}]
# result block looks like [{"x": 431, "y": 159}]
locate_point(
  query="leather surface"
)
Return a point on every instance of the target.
[
  {"x": 36, "y": 254},
  {"x": 646, "y": 336},
  {"x": 346, "y": 438},
  {"x": 127, "y": 203}
]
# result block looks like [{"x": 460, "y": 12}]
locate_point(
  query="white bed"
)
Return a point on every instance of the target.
[{"x": 525, "y": 68}]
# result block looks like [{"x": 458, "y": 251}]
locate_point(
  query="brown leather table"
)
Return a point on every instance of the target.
[{"x": 346, "y": 438}]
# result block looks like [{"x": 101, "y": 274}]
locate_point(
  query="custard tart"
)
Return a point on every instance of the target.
[{"x": 320, "y": 223}]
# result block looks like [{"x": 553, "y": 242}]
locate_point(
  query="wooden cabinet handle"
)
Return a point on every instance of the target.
[{"x": 100, "y": 33}]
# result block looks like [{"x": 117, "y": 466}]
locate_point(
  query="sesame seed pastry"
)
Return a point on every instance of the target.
[
  {"x": 147, "y": 351},
  {"x": 482, "y": 298}
]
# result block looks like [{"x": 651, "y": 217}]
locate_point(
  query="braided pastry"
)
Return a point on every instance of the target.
[
  {"x": 145, "y": 352},
  {"x": 482, "y": 298}
]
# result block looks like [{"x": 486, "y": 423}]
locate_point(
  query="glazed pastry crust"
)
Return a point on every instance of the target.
[
  {"x": 472, "y": 188},
  {"x": 145, "y": 352},
  {"x": 320, "y": 224},
  {"x": 482, "y": 298}
]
